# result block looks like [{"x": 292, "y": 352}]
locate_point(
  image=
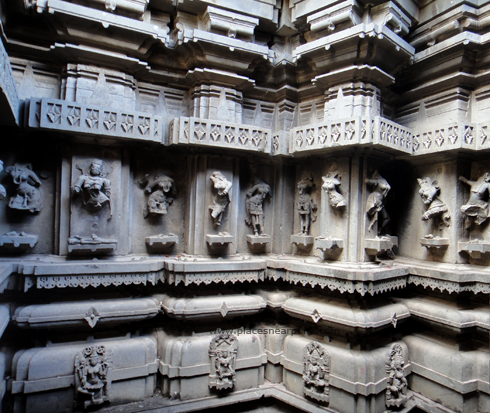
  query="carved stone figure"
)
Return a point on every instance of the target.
[
  {"x": 159, "y": 189},
  {"x": 306, "y": 206},
  {"x": 330, "y": 184},
  {"x": 429, "y": 191},
  {"x": 255, "y": 206},
  {"x": 396, "y": 390},
  {"x": 476, "y": 210},
  {"x": 28, "y": 197},
  {"x": 223, "y": 351},
  {"x": 222, "y": 199},
  {"x": 94, "y": 187},
  {"x": 375, "y": 203},
  {"x": 316, "y": 370},
  {"x": 92, "y": 374},
  {"x": 3, "y": 191}
]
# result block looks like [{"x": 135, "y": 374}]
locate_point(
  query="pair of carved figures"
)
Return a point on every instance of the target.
[
  {"x": 28, "y": 194},
  {"x": 92, "y": 374},
  {"x": 159, "y": 190},
  {"x": 223, "y": 352}
]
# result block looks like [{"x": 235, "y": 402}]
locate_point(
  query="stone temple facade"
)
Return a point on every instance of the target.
[{"x": 253, "y": 205}]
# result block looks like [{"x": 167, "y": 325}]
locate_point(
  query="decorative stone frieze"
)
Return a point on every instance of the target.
[
  {"x": 363, "y": 130},
  {"x": 206, "y": 271},
  {"x": 447, "y": 137},
  {"x": 76, "y": 117},
  {"x": 203, "y": 132}
]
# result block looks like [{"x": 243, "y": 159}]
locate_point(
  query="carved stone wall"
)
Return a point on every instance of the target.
[{"x": 205, "y": 205}]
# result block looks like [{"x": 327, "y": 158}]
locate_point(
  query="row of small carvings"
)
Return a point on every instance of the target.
[
  {"x": 192, "y": 365},
  {"x": 318, "y": 309}
]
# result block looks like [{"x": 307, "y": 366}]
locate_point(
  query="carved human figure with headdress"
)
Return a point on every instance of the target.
[
  {"x": 94, "y": 187},
  {"x": 306, "y": 206},
  {"x": 28, "y": 196},
  {"x": 477, "y": 207},
  {"x": 375, "y": 203},
  {"x": 396, "y": 389},
  {"x": 160, "y": 190},
  {"x": 92, "y": 367},
  {"x": 222, "y": 199},
  {"x": 254, "y": 206},
  {"x": 330, "y": 184}
]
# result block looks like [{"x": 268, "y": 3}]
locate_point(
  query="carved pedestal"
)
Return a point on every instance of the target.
[
  {"x": 18, "y": 241},
  {"x": 258, "y": 242},
  {"x": 219, "y": 240},
  {"x": 303, "y": 242},
  {"x": 161, "y": 242},
  {"x": 329, "y": 247},
  {"x": 434, "y": 242},
  {"x": 474, "y": 248},
  {"x": 379, "y": 245}
]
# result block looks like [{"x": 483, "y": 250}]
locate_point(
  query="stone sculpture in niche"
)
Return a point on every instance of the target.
[
  {"x": 396, "y": 390},
  {"x": 28, "y": 197},
  {"x": 94, "y": 187},
  {"x": 223, "y": 351},
  {"x": 330, "y": 184},
  {"x": 306, "y": 206},
  {"x": 222, "y": 199},
  {"x": 159, "y": 190},
  {"x": 92, "y": 374},
  {"x": 476, "y": 210},
  {"x": 255, "y": 206},
  {"x": 375, "y": 203},
  {"x": 437, "y": 209},
  {"x": 316, "y": 372}
]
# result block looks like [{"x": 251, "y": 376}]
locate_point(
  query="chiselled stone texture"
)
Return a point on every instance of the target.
[{"x": 283, "y": 204}]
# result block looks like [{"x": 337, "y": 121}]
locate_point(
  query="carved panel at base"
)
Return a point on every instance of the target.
[
  {"x": 316, "y": 372},
  {"x": 396, "y": 390},
  {"x": 222, "y": 352},
  {"x": 92, "y": 375}
]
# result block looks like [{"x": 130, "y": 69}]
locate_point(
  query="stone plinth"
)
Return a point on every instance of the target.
[
  {"x": 474, "y": 248},
  {"x": 18, "y": 241},
  {"x": 161, "y": 242},
  {"x": 379, "y": 245},
  {"x": 303, "y": 242},
  {"x": 219, "y": 240},
  {"x": 434, "y": 242},
  {"x": 258, "y": 240}
]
